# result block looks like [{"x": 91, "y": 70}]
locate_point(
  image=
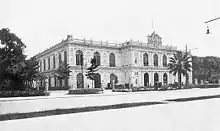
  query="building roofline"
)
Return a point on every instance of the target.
[{"x": 105, "y": 44}]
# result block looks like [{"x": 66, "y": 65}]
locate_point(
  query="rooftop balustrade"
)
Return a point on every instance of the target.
[{"x": 70, "y": 39}]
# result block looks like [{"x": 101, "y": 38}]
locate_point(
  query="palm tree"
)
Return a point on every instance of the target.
[{"x": 180, "y": 64}]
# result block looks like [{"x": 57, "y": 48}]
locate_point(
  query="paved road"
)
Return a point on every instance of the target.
[
  {"x": 50, "y": 103},
  {"x": 201, "y": 115}
]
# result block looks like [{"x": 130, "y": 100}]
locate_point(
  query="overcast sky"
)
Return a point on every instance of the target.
[{"x": 43, "y": 23}]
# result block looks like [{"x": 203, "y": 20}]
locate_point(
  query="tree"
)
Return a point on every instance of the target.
[
  {"x": 179, "y": 64},
  {"x": 90, "y": 74},
  {"x": 205, "y": 67},
  {"x": 62, "y": 72},
  {"x": 11, "y": 54},
  {"x": 40, "y": 77}
]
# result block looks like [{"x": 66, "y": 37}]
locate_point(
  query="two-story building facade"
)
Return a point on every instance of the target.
[{"x": 133, "y": 62}]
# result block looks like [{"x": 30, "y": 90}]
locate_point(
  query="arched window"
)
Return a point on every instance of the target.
[
  {"x": 145, "y": 59},
  {"x": 48, "y": 63},
  {"x": 44, "y": 64},
  {"x": 156, "y": 77},
  {"x": 165, "y": 79},
  {"x": 112, "y": 60},
  {"x": 114, "y": 78},
  {"x": 65, "y": 57},
  {"x": 164, "y": 60},
  {"x": 41, "y": 66},
  {"x": 79, "y": 57},
  {"x": 146, "y": 79},
  {"x": 97, "y": 58},
  {"x": 60, "y": 59},
  {"x": 155, "y": 60},
  {"x": 80, "y": 80},
  {"x": 97, "y": 80},
  {"x": 54, "y": 62}
]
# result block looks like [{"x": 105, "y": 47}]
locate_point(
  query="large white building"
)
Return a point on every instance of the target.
[{"x": 132, "y": 62}]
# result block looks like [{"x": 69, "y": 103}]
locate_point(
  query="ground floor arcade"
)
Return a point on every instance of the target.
[{"x": 105, "y": 78}]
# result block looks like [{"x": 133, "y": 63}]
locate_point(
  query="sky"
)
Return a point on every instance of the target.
[{"x": 43, "y": 23}]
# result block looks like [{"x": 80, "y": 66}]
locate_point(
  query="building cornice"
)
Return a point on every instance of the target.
[{"x": 106, "y": 45}]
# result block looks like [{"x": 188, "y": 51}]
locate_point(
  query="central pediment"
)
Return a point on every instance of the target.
[{"x": 154, "y": 39}]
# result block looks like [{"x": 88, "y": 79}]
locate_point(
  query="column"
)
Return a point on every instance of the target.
[
  {"x": 150, "y": 59},
  {"x": 46, "y": 84}
]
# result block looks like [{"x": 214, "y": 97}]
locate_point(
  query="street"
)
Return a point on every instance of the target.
[
  {"x": 32, "y": 104},
  {"x": 199, "y": 115}
]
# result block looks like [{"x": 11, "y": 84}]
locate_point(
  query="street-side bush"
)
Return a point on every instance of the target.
[
  {"x": 142, "y": 88},
  {"x": 134, "y": 89},
  {"x": 86, "y": 91},
  {"x": 122, "y": 90},
  {"x": 23, "y": 93},
  {"x": 174, "y": 85},
  {"x": 200, "y": 86},
  {"x": 127, "y": 85},
  {"x": 59, "y": 88},
  {"x": 190, "y": 86},
  {"x": 212, "y": 85},
  {"x": 163, "y": 87},
  {"x": 207, "y": 86},
  {"x": 121, "y": 86}
]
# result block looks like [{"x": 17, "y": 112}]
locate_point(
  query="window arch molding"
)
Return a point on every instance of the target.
[
  {"x": 145, "y": 59},
  {"x": 164, "y": 60},
  {"x": 112, "y": 60},
  {"x": 155, "y": 60},
  {"x": 79, "y": 57},
  {"x": 97, "y": 58}
]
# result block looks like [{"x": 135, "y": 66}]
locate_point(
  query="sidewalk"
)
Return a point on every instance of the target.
[{"x": 59, "y": 101}]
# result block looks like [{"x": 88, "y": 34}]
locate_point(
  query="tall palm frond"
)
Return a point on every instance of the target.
[{"x": 180, "y": 64}]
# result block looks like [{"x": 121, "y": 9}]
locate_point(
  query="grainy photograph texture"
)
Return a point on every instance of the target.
[{"x": 109, "y": 65}]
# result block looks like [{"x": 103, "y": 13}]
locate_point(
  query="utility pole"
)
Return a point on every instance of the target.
[{"x": 187, "y": 75}]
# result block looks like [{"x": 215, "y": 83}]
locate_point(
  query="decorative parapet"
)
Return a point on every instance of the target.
[
  {"x": 148, "y": 45},
  {"x": 105, "y": 44},
  {"x": 95, "y": 43}
]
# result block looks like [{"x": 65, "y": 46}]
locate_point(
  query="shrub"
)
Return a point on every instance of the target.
[
  {"x": 173, "y": 86},
  {"x": 163, "y": 87},
  {"x": 86, "y": 91},
  {"x": 190, "y": 86},
  {"x": 212, "y": 85},
  {"x": 142, "y": 88},
  {"x": 127, "y": 85},
  {"x": 208, "y": 86},
  {"x": 121, "y": 86},
  {"x": 200, "y": 86},
  {"x": 24, "y": 93},
  {"x": 122, "y": 90},
  {"x": 134, "y": 89},
  {"x": 60, "y": 88}
]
